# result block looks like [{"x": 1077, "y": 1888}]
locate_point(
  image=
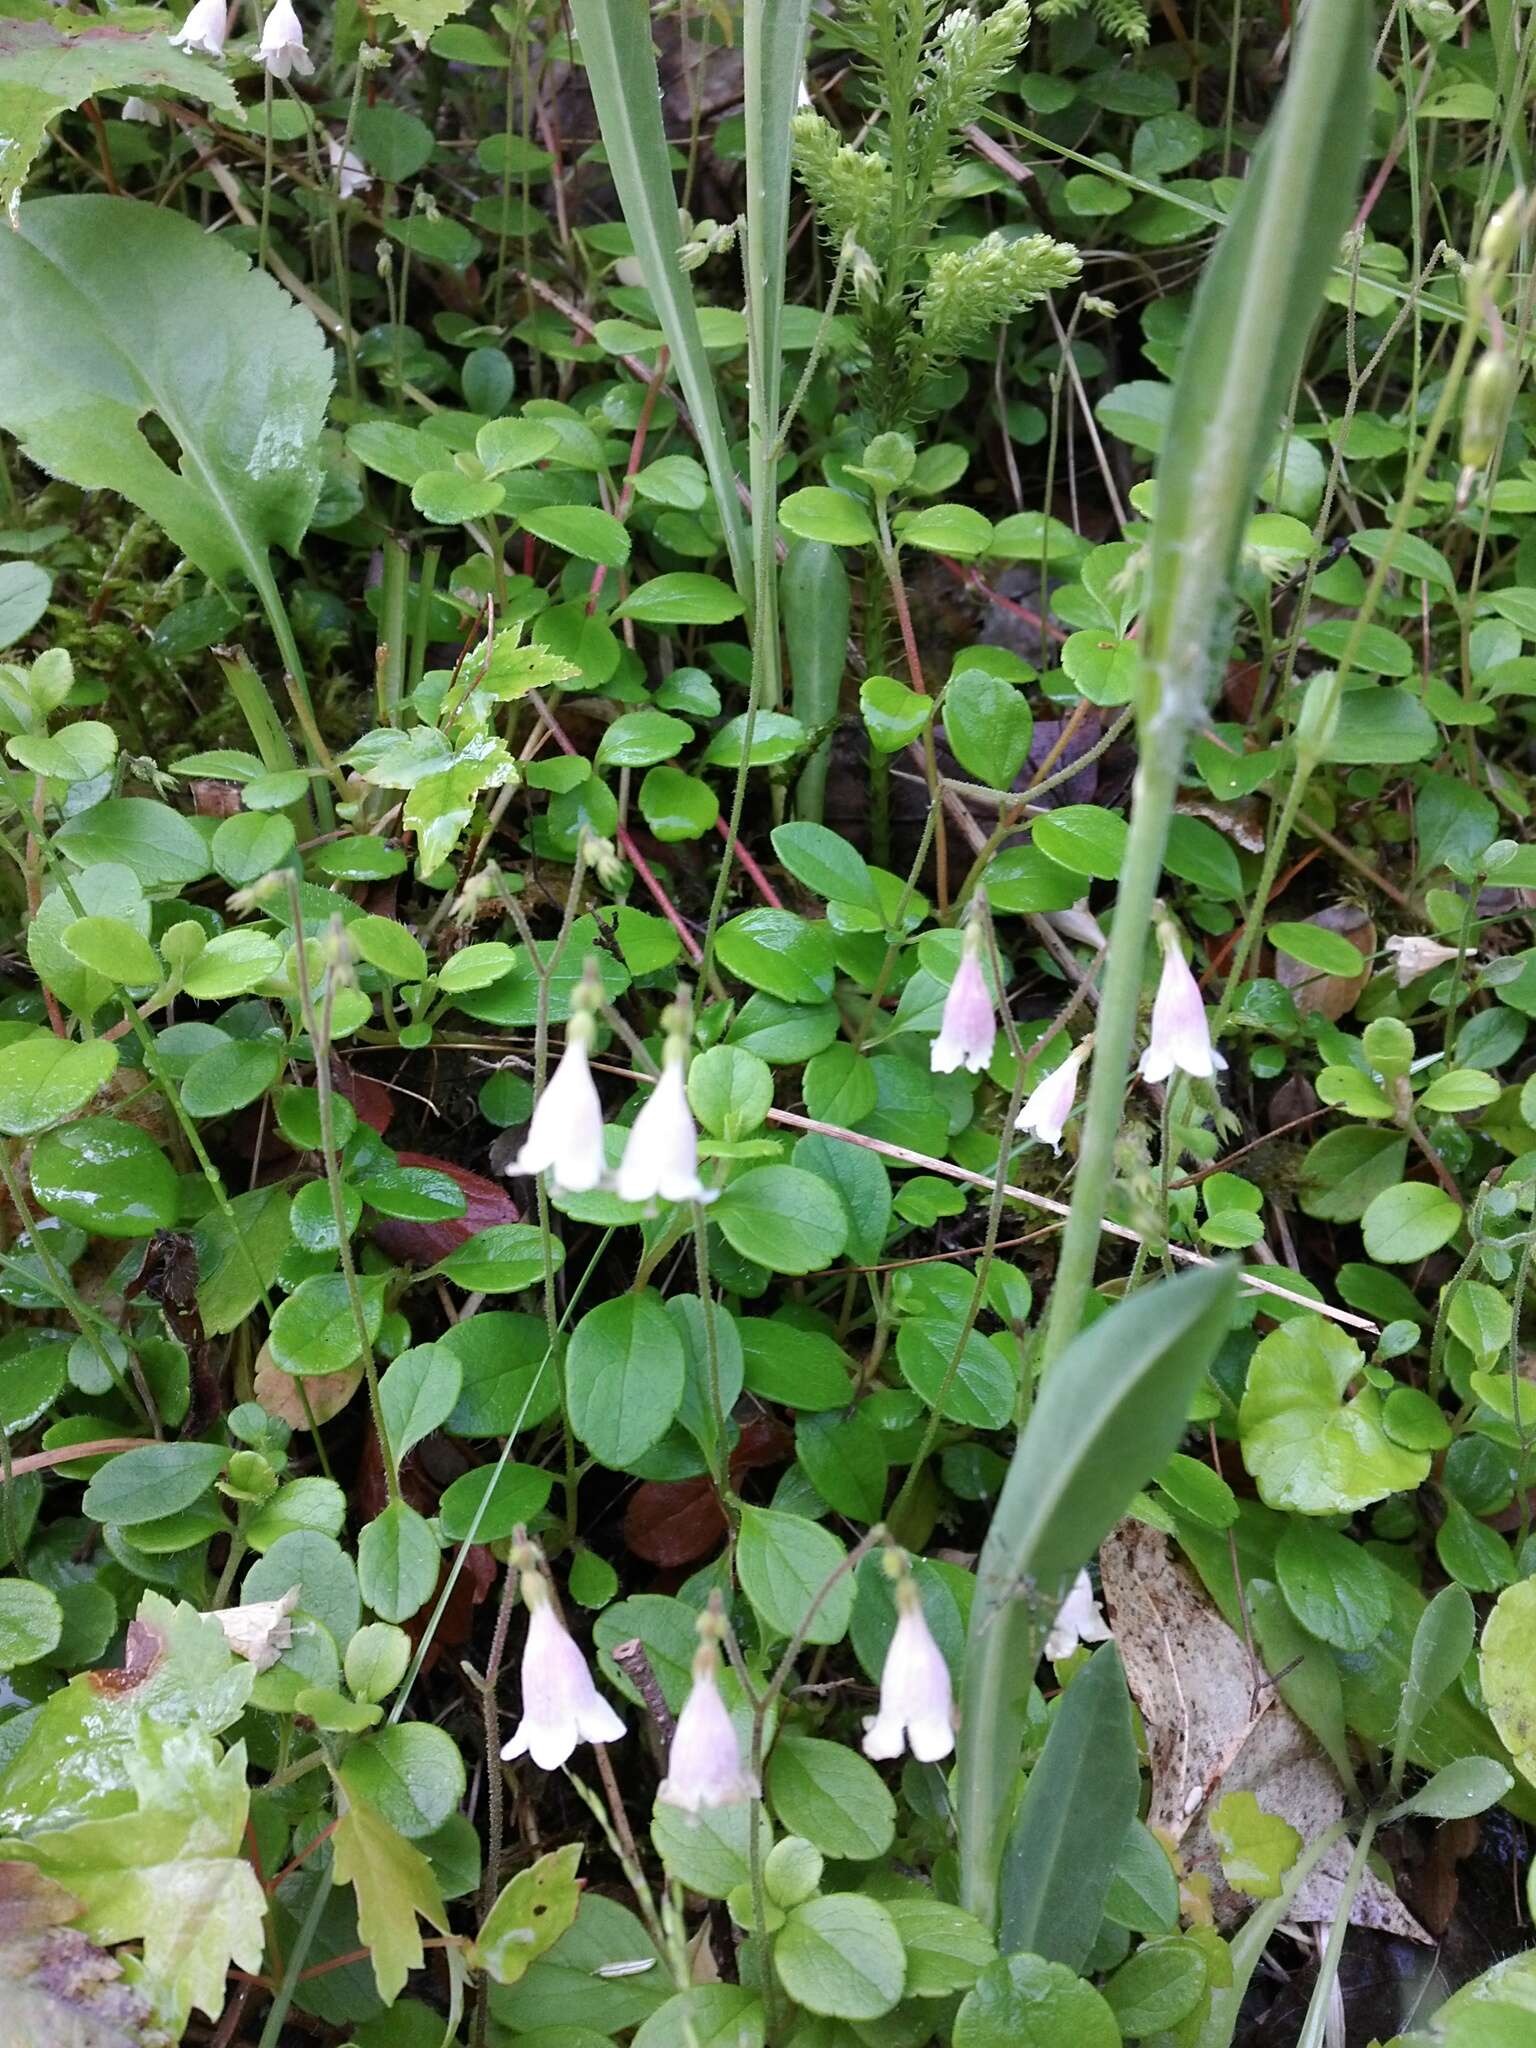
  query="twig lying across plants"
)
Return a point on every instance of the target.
[{"x": 948, "y": 1169}]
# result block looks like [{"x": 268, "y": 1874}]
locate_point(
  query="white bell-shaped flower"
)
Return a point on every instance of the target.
[
  {"x": 565, "y": 1135},
  {"x": 1078, "y": 1621},
  {"x": 136, "y": 109},
  {"x": 1415, "y": 955},
  {"x": 351, "y": 172},
  {"x": 561, "y": 1705},
  {"x": 661, "y": 1156},
  {"x": 917, "y": 1707},
  {"x": 281, "y": 48},
  {"x": 204, "y": 28},
  {"x": 1180, "y": 1037},
  {"x": 1044, "y": 1115},
  {"x": 968, "y": 1028},
  {"x": 704, "y": 1766},
  {"x": 261, "y": 1630}
]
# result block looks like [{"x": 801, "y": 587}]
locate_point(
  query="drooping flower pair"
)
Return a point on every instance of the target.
[
  {"x": 565, "y": 1135},
  {"x": 281, "y": 49}
]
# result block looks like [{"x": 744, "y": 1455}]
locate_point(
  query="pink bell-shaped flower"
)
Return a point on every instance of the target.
[
  {"x": 281, "y": 48},
  {"x": 1044, "y": 1115},
  {"x": 565, "y": 1135},
  {"x": 561, "y": 1705},
  {"x": 204, "y": 29},
  {"x": 968, "y": 1028},
  {"x": 661, "y": 1156},
  {"x": 1180, "y": 1039},
  {"x": 917, "y": 1708},
  {"x": 704, "y": 1766}
]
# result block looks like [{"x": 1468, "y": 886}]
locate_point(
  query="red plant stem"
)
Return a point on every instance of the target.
[
  {"x": 636, "y": 457},
  {"x": 631, "y": 852},
  {"x": 637, "y": 860},
  {"x": 974, "y": 580}
]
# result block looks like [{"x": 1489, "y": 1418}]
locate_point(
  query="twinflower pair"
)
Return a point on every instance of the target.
[
  {"x": 1179, "y": 1039},
  {"x": 565, "y": 1136},
  {"x": 562, "y": 1706}
]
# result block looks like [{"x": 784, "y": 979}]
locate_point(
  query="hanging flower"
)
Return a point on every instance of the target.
[
  {"x": 135, "y": 109},
  {"x": 352, "y": 176},
  {"x": 561, "y": 1705},
  {"x": 704, "y": 1766},
  {"x": 1078, "y": 1621},
  {"x": 968, "y": 1028},
  {"x": 1044, "y": 1115},
  {"x": 281, "y": 48},
  {"x": 661, "y": 1156},
  {"x": 1180, "y": 1037},
  {"x": 565, "y": 1136},
  {"x": 917, "y": 1709},
  {"x": 204, "y": 28},
  {"x": 1414, "y": 956},
  {"x": 261, "y": 1630}
]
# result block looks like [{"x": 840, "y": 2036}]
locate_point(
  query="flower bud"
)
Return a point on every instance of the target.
[
  {"x": 1501, "y": 238},
  {"x": 1490, "y": 388}
]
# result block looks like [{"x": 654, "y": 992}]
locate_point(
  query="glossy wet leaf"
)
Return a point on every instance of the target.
[
  {"x": 44, "y": 1080},
  {"x": 106, "y": 1175}
]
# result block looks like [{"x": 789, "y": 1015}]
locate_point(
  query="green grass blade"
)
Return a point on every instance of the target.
[
  {"x": 1253, "y": 313},
  {"x": 1102, "y": 1425},
  {"x": 1073, "y": 1820},
  {"x": 1247, "y": 337},
  {"x": 773, "y": 62},
  {"x": 615, "y": 38}
]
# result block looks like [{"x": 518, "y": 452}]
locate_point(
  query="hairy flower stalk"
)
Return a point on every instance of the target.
[
  {"x": 282, "y": 49},
  {"x": 1044, "y": 1115},
  {"x": 1180, "y": 1040},
  {"x": 204, "y": 29},
  {"x": 662, "y": 1153},
  {"x": 917, "y": 1707},
  {"x": 704, "y": 1765},
  {"x": 561, "y": 1705},
  {"x": 968, "y": 1028},
  {"x": 565, "y": 1135}
]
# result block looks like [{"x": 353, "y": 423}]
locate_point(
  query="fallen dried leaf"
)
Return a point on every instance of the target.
[{"x": 1208, "y": 1735}]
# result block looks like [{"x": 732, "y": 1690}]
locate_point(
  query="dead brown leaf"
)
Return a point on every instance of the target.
[{"x": 1209, "y": 1733}]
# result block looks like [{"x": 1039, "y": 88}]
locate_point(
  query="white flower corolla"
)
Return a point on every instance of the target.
[
  {"x": 1044, "y": 1115},
  {"x": 135, "y": 109},
  {"x": 565, "y": 1135},
  {"x": 1077, "y": 1621},
  {"x": 1180, "y": 1037},
  {"x": 704, "y": 1766},
  {"x": 561, "y": 1705},
  {"x": 352, "y": 173},
  {"x": 661, "y": 1156},
  {"x": 281, "y": 48},
  {"x": 261, "y": 1630},
  {"x": 917, "y": 1707},
  {"x": 1414, "y": 956},
  {"x": 204, "y": 28},
  {"x": 968, "y": 1027}
]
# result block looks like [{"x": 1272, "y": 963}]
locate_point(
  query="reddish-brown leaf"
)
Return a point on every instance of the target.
[
  {"x": 673, "y": 1521},
  {"x": 423, "y": 1244}
]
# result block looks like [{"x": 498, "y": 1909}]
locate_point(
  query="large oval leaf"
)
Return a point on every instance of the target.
[{"x": 111, "y": 309}]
